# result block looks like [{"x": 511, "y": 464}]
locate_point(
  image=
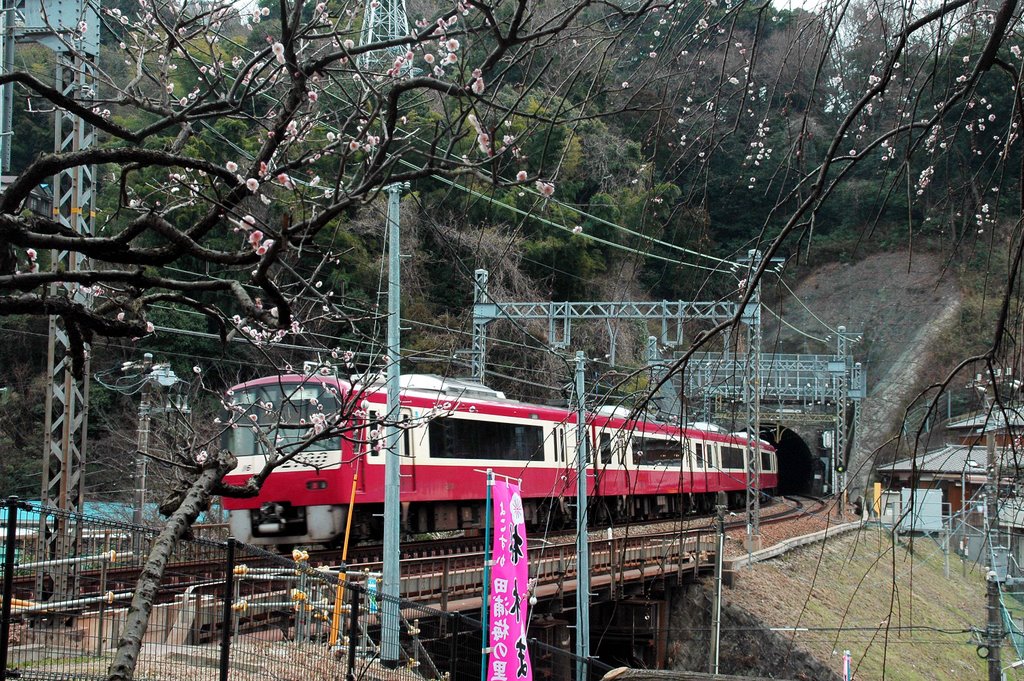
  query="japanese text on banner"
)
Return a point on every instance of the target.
[{"x": 509, "y": 614}]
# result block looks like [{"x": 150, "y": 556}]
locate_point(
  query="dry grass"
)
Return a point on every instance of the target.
[{"x": 892, "y": 608}]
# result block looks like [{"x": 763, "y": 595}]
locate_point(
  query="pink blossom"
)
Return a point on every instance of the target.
[
  {"x": 278, "y": 50},
  {"x": 149, "y": 327},
  {"x": 478, "y": 86},
  {"x": 255, "y": 238},
  {"x": 545, "y": 188},
  {"x": 313, "y": 96},
  {"x": 452, "y": 45},
  {"x": 521, "y": 176},
  {"x": 577, "y": 229},
  {"x": 31, "y": 253},
  {"x": 283, "y": 178},
  {"x": 120, "y": 316},
  {"x": 231, "y": 166},
  {"x": 252, "y": 184},
  {"x": 429, "y": 58}
]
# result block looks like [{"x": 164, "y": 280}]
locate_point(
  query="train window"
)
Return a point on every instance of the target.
[
  {"x": 559, "y": 438},
  {"x": 654, "y": 452},
  {"x": 452, "y": 438},
  {"x": 732, "y": 457},
  {"x": 405, "y": 447},
  {"x": 606, "y": 448},
  {"x": 282, "y": 412},
  {"x": 766, "y": 461},
  {"x": 698, "y": 449}
]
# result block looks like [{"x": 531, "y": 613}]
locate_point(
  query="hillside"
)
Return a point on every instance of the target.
[
  {"x": 891, "y": 607},
  {"x": 901, "y": 305}
]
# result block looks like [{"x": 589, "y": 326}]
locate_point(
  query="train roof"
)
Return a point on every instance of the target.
[{"x": 434, "y": 387}]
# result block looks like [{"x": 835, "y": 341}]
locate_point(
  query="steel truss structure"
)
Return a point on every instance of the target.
[
  {"x": 384, "y": 21},
  {"x": 801, "y": 389},
  {"x": 71, "y": 31}
]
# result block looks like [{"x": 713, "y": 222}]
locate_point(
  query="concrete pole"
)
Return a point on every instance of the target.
[
  {"x": 142, "y": 450},
  {"x": 994, "y": 630},
  {"x": 716, "y": 607},
  {"x": 582, "y": 537},
  {"x": 390, "y": 631}
]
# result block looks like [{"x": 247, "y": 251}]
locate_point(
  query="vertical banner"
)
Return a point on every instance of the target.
[{"x": 509, "y": 585}]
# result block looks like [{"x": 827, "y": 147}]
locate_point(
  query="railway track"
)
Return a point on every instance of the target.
[{"x": 420, "y": 557}]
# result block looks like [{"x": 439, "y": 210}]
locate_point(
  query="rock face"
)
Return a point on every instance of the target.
[{"x": 747, "y": 646}]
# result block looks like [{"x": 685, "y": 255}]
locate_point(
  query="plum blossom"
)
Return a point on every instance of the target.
[
  {"x": 149, "y": 327},
  {"x": 231, "y": 166},
  {"x": 521, "y": 176},
  {"x": 278, "y": 50},
  {"x": 252, "y": 184},
  {"x": 547, "y": 189}
]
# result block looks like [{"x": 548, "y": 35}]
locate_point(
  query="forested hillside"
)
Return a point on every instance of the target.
[
  {"x": 244, "y": 155},
  {"x": 580, "y": 152}
]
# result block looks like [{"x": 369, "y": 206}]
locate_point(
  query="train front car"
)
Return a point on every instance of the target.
[{"x": 305, "y": 499}]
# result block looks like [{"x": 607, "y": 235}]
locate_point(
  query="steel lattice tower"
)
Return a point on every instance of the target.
[
  {"x": 71, "y": 31},
  {"x": 383, "y": 21}
]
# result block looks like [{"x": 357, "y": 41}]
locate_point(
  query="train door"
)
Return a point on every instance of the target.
[{"x": 407, "y": 453}]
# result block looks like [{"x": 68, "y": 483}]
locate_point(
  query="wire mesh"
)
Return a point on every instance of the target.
[{"x": 225, "y": 610}]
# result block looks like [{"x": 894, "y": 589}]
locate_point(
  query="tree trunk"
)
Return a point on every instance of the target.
[{"x": 122, "y": 668}]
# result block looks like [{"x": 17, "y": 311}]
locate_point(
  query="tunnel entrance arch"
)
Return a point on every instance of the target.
[{"x": 795, "y": 460}]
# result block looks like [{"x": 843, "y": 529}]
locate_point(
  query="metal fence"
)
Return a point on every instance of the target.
[{"x": 224, "y": 610}]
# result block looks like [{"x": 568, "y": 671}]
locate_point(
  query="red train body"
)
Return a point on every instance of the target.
[{"x": 452, "y": 432}]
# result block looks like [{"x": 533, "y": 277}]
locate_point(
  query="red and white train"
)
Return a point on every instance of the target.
[{"x": 453, "y": 431}]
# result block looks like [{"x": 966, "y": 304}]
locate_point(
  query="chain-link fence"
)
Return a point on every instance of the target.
[{"x": 223, "y": 610}]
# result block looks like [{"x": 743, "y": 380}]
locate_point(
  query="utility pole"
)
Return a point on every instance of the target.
[
  {"x": 390, "y": 648},
  {"x": 996, "y": 568},
  {"x": 716, "y": 606},
  {"x": 582, "y": 536},
  {"x": 142, "y": 450},
  {"x": 994, "y": 630}
]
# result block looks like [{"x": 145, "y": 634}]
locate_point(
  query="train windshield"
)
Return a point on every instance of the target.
[{"x": 284, "y": 414}]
